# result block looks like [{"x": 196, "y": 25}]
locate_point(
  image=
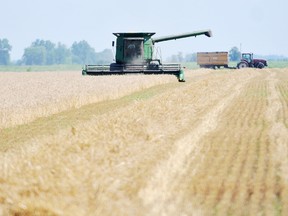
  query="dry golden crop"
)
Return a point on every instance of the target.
[
  {"x": 27, "y": 96},
  {"x": 215, "y": 145}
]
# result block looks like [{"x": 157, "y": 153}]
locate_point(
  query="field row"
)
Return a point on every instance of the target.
[
  {"x": 215, "y": 145},
  {"x": 241, "y": 166}
]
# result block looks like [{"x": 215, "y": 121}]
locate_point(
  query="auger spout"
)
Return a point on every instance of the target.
[{"x": 208, "y": 33}]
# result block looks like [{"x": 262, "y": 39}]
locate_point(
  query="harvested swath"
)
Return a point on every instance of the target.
[{"x": 204, "y": 147}]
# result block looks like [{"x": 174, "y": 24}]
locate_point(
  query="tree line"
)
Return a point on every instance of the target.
[{"x": 45, "y": 52}]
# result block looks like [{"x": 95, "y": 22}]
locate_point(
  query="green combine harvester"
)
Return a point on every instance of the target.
[{"x": 135, "y": 54}]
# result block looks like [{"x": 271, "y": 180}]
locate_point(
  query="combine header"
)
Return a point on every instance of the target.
[{"x": 135, "y": 54}]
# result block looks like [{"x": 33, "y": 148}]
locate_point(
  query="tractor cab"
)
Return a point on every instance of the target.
[{"x": 248, "y": 57}]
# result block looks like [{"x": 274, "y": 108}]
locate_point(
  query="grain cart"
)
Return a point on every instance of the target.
[
  {"x": 248, "y": 61},
  {"x": 212, "y": 59},
  {"x": 135, "y": 53}
]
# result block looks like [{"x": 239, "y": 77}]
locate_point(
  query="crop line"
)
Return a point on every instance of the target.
[
  {"x": 278, "y": 137},
  {"x": 158, "y": 194},
  {"x": 278, "y": 132}
]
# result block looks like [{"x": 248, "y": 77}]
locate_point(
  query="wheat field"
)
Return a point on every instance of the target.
[{"x": 144, "y": 145}]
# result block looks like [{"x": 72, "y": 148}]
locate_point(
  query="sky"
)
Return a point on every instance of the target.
[{"x": 258, "y": 26}]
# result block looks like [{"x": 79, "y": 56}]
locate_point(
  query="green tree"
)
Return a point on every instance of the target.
[
  {"x": 176, "y": 57},
  {"x": 191, "y": 57},
  {"x": 5, "y": 48},
  {"x": 44, "y": 52},
  {"x": 234, "y": 54},
  {"x": 34, "y": 55},
  {"x": 104, "y": 57},
  {"x": 62, "y": 54},
  {"x": 180, "y": 57},
  {"x": 83, "y": 53},
  {"x": 50, "y": 50}
]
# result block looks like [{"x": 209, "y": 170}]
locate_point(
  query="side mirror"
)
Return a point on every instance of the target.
[{"x": 113, "y": 43}]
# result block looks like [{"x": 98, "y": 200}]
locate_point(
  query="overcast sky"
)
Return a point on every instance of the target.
[{"x": 258, "y": 26}]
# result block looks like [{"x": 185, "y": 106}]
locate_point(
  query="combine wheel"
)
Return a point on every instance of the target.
[
  {"x": 242, "y": 65},
  {"x": 181, "y": 76}
]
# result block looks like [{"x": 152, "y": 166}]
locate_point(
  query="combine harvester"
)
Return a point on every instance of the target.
[{"x": 135, "y": 54}]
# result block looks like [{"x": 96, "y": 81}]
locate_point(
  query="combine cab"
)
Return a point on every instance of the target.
[
  {"x": 248, "y": 61},
  {"x": 135, "y": 54}
]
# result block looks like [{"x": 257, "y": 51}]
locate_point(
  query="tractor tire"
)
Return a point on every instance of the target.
[
  {"x": 260, "y": 65},
  {"x": 242, "y": 65}
]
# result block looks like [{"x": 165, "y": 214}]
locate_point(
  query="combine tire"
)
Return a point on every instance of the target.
[{"x": 242, "y": 65}]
